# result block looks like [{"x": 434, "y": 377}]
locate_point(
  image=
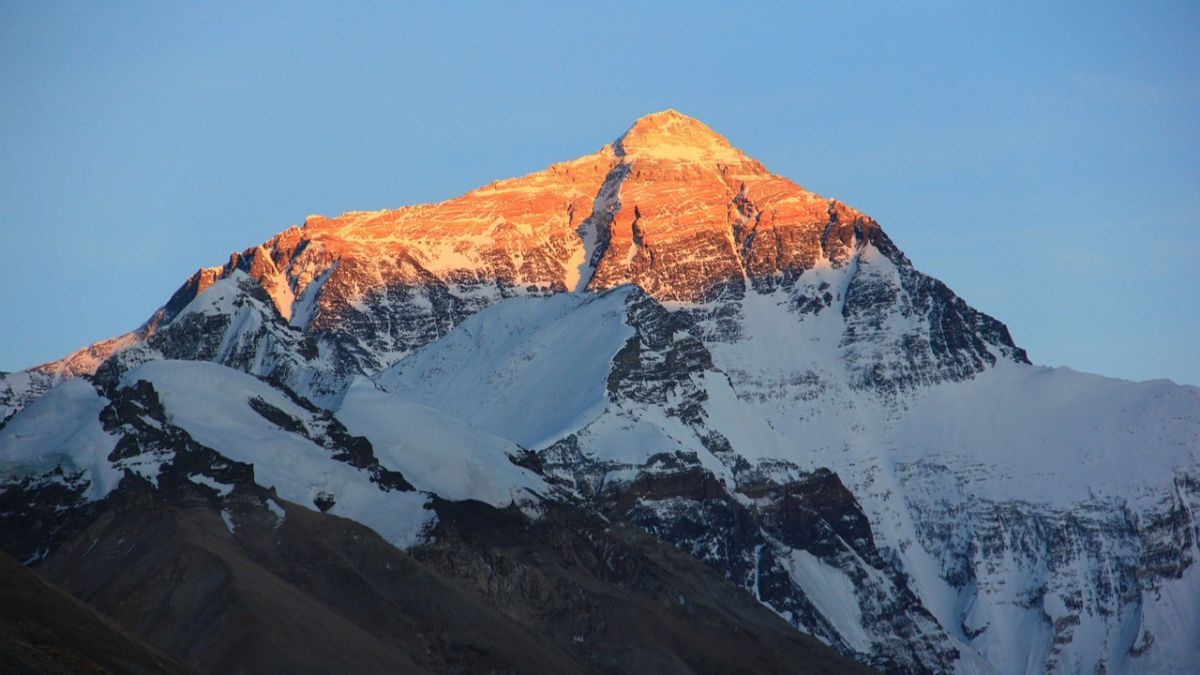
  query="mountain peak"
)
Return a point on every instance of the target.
[{"x": 671, "y": 135}]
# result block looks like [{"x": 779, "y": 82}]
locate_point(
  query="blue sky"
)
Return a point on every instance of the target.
[{"x": 1043, "y": 159}]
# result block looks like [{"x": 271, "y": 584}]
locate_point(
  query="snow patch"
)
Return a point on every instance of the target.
[
  {"x": 527, "y": 369},
  {"x": 833, "y": 594},
  {"x": 200, "y": 479},
  {"x": 62, "y": 428},
  {"x": 436, "y": 452},
  {"x": 277, "y": 510}
]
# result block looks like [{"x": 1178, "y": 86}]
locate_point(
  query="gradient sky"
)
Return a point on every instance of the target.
[{"x": 1043, "y": 159}]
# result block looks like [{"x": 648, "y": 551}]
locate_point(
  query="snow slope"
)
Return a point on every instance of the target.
[
  {"x": 212, "y": 403},
  {"x": 1024, "y": 503},
  {"x": 61, "y": 429},
  {"x": 436, "y": 452},
  {"x": 526, "y": 369},
  {"x": 1044, "y": 465},
  {"x": 1053, "y": 435}
]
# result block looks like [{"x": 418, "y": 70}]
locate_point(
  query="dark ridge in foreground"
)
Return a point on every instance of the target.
[
  {"x": 45, "y": 630},
  {"x": 226, "y": 585}
]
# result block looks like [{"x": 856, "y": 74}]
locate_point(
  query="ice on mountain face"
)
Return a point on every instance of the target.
[
  {"x": 305, "y": 305},
  {"x": 276, "y": 510},
  {"x": 232, "y": 322},
  {"x": 995, "y": 490},
  {"x": 213, "y": 404},
  {"x": 1167, "y": 637},
  {"x": 791, "y": 401},
  {"x": 595, "y": 232},
  {"x": 529, "y": 370},
  {"x": 1080, "y": 437},
  {"x": 536, "y": 370},
  {"x": 667, "y": 411},
  {"x": 222, "y": 297},
  {"x": 834, "y": 595},
  {"x": 220, "y": 488},
  {"x": 62, "y": 429},
  {"x": 436, "y": 452},
  {"x": 1020, "y": 491},
  {"x": 19, "y": 389}
]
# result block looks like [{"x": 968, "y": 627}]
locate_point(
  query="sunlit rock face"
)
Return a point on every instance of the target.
[
  {"x": 669, "y": 206},
  {"x": 692, "y": 217}
]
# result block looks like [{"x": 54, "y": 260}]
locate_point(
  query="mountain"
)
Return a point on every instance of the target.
[{"x": 657, "y": 349}]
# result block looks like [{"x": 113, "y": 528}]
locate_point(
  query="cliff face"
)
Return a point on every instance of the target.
[
  {"x": 670, "y": 206},
  {"x": 664, "y": 336}
]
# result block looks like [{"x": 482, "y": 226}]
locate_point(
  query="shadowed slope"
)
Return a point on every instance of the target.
[
  {"x": 243, "y": 583},
  {"x": 44, "y": 630}
]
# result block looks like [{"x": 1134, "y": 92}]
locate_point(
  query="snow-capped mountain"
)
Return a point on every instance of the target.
[{"x": 664, "y": 335}]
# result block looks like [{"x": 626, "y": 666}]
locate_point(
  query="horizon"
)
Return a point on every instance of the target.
[{"x": 107, "y": 147}]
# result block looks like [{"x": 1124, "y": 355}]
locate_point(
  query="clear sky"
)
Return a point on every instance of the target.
[{"x": 1043, "y": 159}]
